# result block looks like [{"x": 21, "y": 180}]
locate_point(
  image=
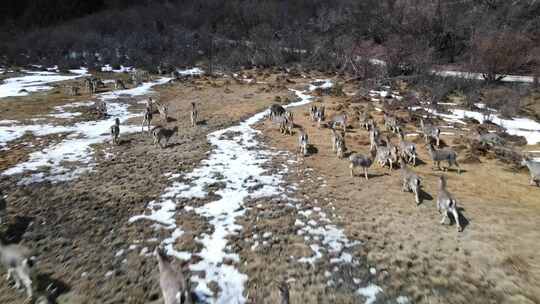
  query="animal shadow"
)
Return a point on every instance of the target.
[
  {"x": 122, "y": 142},
  {"x": 311, "y": 149},
  {"x": 172, "y": 145},
  {"x": 420, "y": 162},
  {"x": 462, "y": 219},
  {"x": 16, "y": 230},
  {"x": 171, "y": 119},
  {"x": 203, "y": 122},
  {"x": 424, "y": 196},
  {"x": 50, "y": 287}
]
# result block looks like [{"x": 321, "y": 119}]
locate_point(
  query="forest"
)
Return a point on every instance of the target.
[{"x": 488, "y": 36}]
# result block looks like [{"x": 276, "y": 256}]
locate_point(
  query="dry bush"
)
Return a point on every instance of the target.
[
  {"x": 506, "y": 100},
  {"x": 407, "y": 55}
]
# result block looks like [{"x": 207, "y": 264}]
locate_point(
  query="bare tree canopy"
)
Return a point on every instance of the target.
[{"x": 410, "y": 35}]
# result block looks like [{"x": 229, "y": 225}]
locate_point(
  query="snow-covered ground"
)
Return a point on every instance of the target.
[
  {"x": 35, "y": 81},
  {"x": 479, "y": 76},
  {"x": 525, "y": 127},
  {"x": 466, "y": 75},
  {"x": 76, "y": 147},
  {"x": 191, "y": 72},
  {"x": 122, "y": 69}
]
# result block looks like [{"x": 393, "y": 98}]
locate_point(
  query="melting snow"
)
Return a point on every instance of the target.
[
  {"x": 76, "y": 147},
  {"x": 369, "y": 292},
  {"x": 525, "y": 127},
  {"x": 35, "y": 81},
  {"x": 479, "y": 76},
  {"x": 123, "y": 69},
  {"x": 402, "y": 300},
  {"x": 191, "y": 72}
]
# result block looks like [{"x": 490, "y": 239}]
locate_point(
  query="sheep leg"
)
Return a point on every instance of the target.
[{"x": 445, "y": 215}]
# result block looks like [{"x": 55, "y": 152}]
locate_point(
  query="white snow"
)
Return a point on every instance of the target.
[
  {"x": 334, "y": 241},
  {"x": 123, "y": 69},
  {"x": 467, "y": 75},
  {"x": 369, "y": 292},
  {"x": 525, "y": 127},
  {"x": 383, "y": 94},
  {"x": 14, "y": 130},
  {"x": 35, "y": 81},
  {"x": 76, "y": 147},
  {"x": 402, "y": 300},
  {"x": 478, "y": 76},
  {"x": 325, "y": 84},
  {"x": 191, "y": 72}
]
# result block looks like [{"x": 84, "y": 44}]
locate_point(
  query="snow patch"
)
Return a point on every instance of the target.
[
  {"x": 123, "y": 69},
  {"x": 369, "y": 292},
  {"x": 76, "y": 147},
  {"x": 525, "y": 127},
  {"x": 34, "y": 82}
]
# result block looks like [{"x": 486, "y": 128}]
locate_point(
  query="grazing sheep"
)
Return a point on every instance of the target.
[
  {"x": 361, "y": 161},
  {"x": 335, "y": 136},
  {"x": 194, "y": 115},
  {"x": 374, "y": 139},
  {"x": 386, "y": 154},
  {"x": 391, "y": 123},
  {"x": 16, "y": 259},
  {"x": 115, "y": 131},
  {"x": 74, "y": 90},
  {"x": 410, "y": 181},
  {"x": 407, "y": 150},
  {"x": 320, "y": 114},
  {"x": 445, "y": 154},
  {"x": 341, "y": 147},
  {"x": 163, "y": 111},
  {"x": 147, "y": 118},
  {"x": 429, "y": 132},
  {"x": 284, "y": 292},
  {"x": 364, "y": 120},
  {"x": 338, "y": 143},
  {"x": 313, "y": 112},
  {"x": 446, "y": 203},
  {"x": 275, "y": 110},
  {"x": 534, "y": 170},
  {"x": 303, "y": 142},
  {"x": 340, "y": 120},
  {"x": 159, "y": 133},
  {"x": 101, "y": 108},
  {"x": 119, "y": 84},
  {"x": 174, "y": 286}
]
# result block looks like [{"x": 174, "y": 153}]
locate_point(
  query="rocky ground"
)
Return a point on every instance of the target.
[{"x": 305, "y": 221}]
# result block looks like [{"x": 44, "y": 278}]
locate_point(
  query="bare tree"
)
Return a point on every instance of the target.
[
  {"x": 497, "y": 55},
  {"x": 406, "y": 55}
]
